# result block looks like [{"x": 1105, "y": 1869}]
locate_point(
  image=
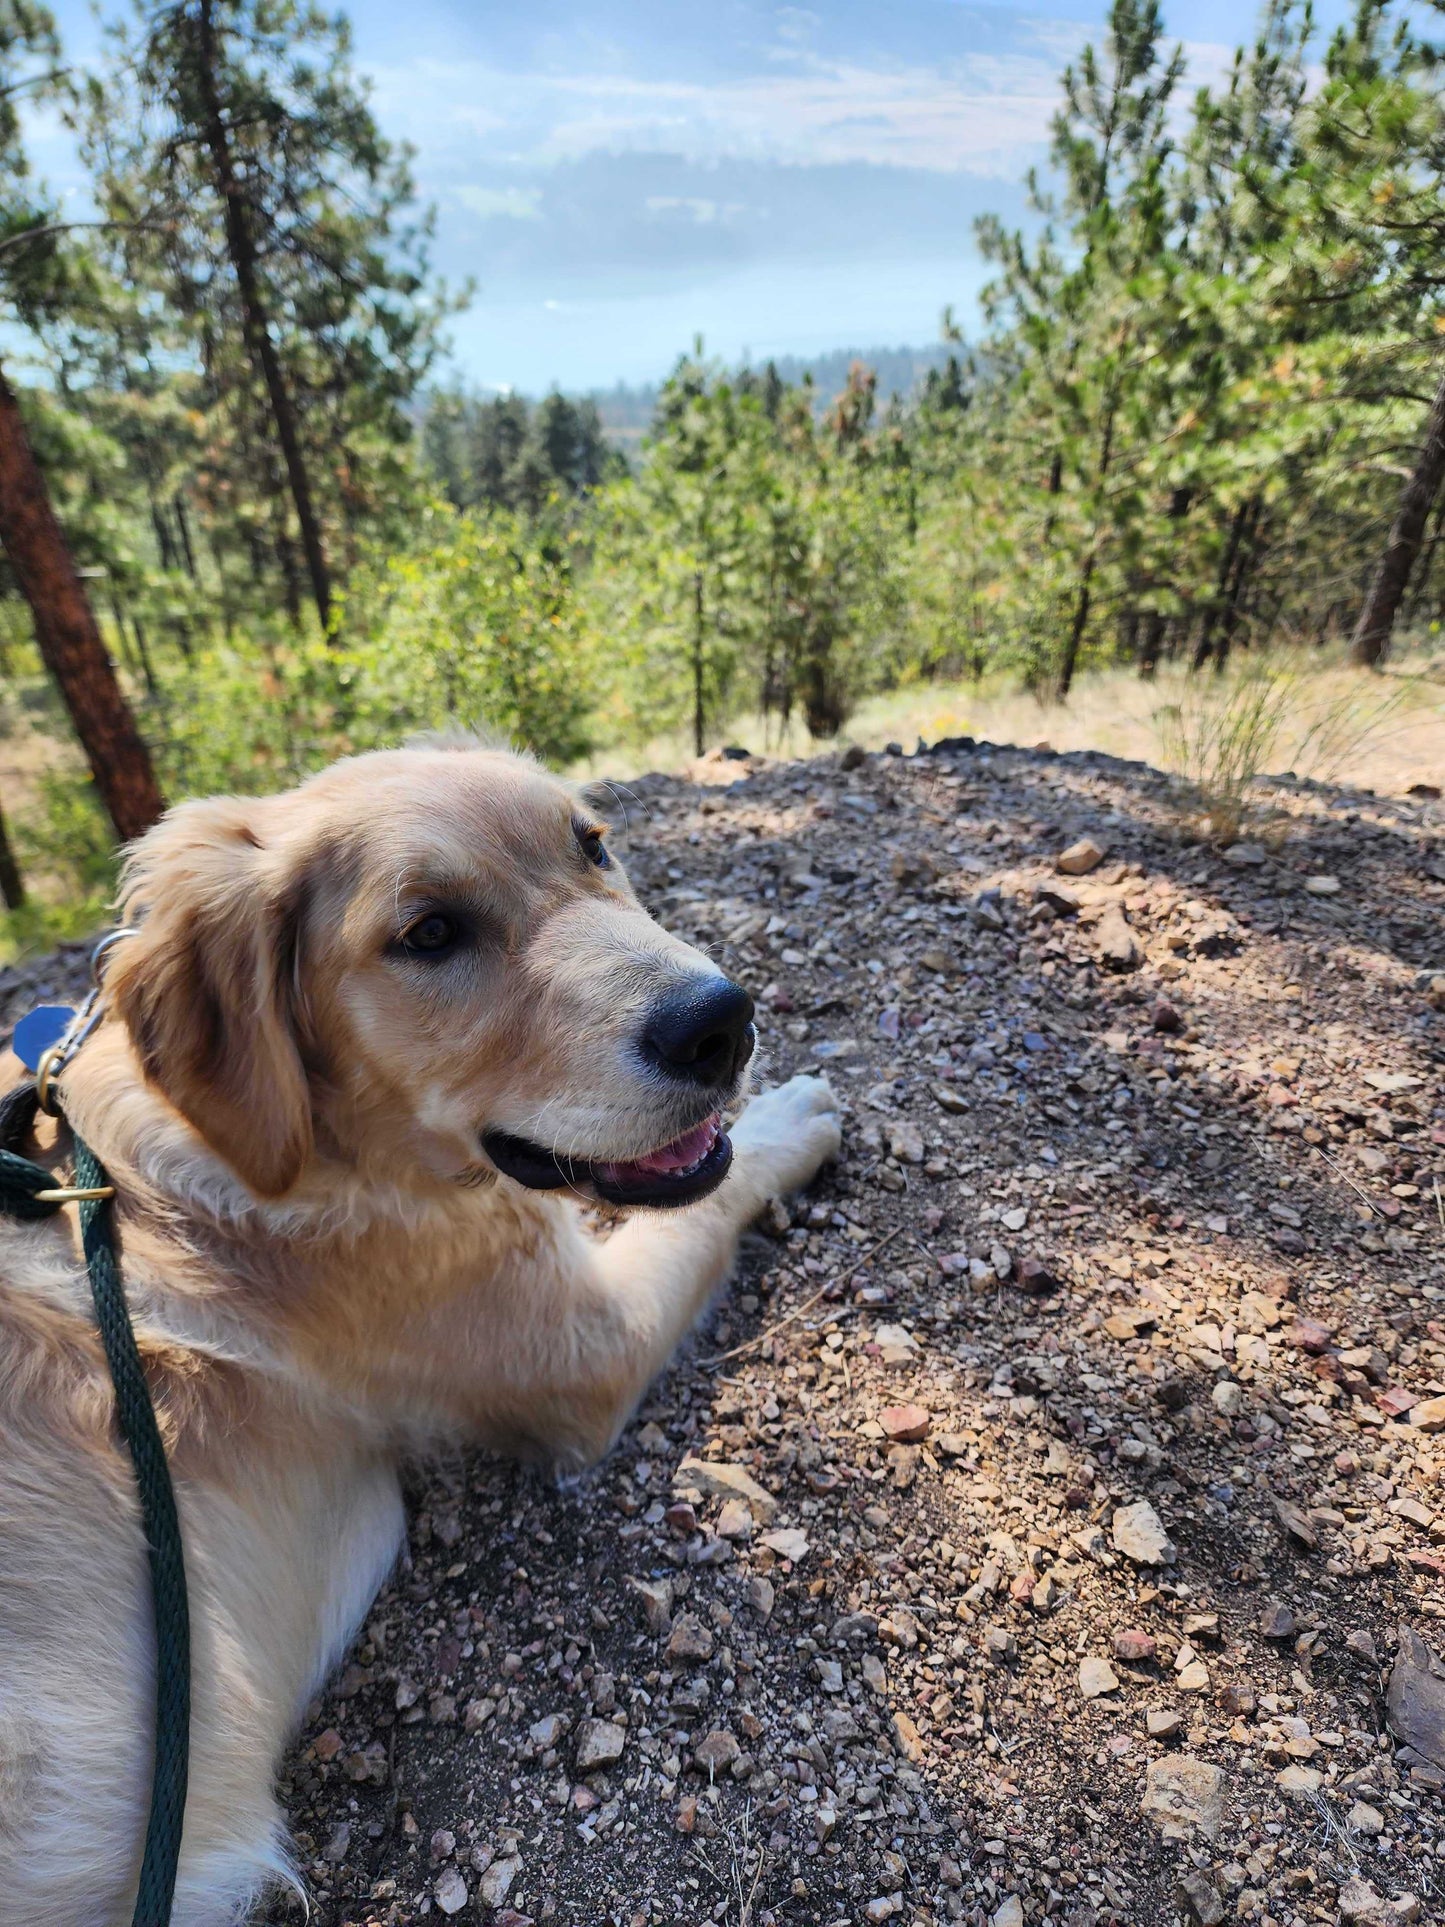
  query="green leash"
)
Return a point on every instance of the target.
[{"x": 28, "y": 1191}]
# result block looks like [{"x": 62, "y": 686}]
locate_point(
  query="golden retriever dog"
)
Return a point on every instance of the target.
[{"x": 373, "y": 1043}]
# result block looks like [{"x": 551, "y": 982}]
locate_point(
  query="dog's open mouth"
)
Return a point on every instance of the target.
[{"x": 676, "y": 1173}]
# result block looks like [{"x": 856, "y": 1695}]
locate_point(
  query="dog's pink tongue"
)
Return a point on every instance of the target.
[{"x": 682, "y": 1152}]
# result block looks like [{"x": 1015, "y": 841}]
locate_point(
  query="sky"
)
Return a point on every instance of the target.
[{"x": 617, "y": 177}]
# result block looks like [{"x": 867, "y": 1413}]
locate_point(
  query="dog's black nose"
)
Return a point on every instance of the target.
[{"x": 703, "y": 1032}]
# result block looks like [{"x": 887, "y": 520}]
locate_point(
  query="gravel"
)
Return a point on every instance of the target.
[{"x": 1082, "y": 1556}]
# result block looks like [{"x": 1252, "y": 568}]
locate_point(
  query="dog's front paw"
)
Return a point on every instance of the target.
[{"x": 786, "y": 1135}]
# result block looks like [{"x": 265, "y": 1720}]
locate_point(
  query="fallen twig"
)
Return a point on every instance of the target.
[
  {"x": 1357, "y": 1189},
  {"x": 750, "y": 1344}
]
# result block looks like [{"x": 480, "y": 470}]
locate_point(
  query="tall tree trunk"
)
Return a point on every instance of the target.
[
  {"x": 241, "y": 246},
  {"x": 162, "y": 535},
  {"x": 1204, "y": 648},
  {"x": 1376, "y": 621},
  {"x": 698, "y": 719},
  {"x": 183, "y": 523},
  {"x": 1243, "y": 571},
  {"x": 65, "y": 628},
  {"x": 1152, "y": 647},
  {"x": 1086, "y": 581},
  {"x": 1078, "y": 626},
  {"x": 12, "y": 887}
]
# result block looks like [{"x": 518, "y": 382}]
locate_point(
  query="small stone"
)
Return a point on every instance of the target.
[
  {"x": 716, "y": 1479},
  {"x": 735, "y": 1521},
  {"x": 1127, "y": 1325},
  {"x": 1394, "y": 1401},
  {"x": 599, "y": 1744},
  {"x": 1227, "y": 1398},
  {"x": 1360, "y": 1905},
  {"x": 1200, "y": 1899},
  {"x": 1361, "y": 1643},
  {"x": 1193, "y": 1678},
  {"x": 496, "y": 1883},
  {"x": 1162, "y": 1722},
  {"x": 906, "y": 1424},
  {"x": 1000, "y": 1645},
  {"x": 1183, "y": 1795},
  {"x": 1134, "y": 1646},
  {"x": 1079, "y": 858},
  {"x": 1322, "y": 886},
  {"x": 907, "y": 1738},
  {"x": 1415, "y": 1697},
  {"x": 1061, "y": 900},
  {"x": 1010, "y": 1914},
  {"x": 1034, "y": 1275},
  {"x": 1299, "y": 1782},
  {"x": 548, "y": 1731},
  {"x": 1310, "y": 1335},
  {"x": 450, "y": 1891},
  {"x": 1295, "y": 1521},
  {"x": 655, "y": 1598},
  {"x": 1138, "y": 1532},
  {"x": 691, "y": 1641},
  {"x": 1238, "y": 1700},
  {"x": 1277, "y": 1621},
  {"x": 905, "y": 1142},
  {"x": 1096, "y": 1677},
  {"x": 1429, "y": 1414},
  {"x": 716, "y": 1752},
  {"x": 1116, "y": 943},
  {"x": 1365, "y": 1819},
  {"x": 761, "y": 1595},
  {"x": 896, "y": 1345},
  {"x": 788, "y": 1542},
  {"x": 1165, "y": 1018}
]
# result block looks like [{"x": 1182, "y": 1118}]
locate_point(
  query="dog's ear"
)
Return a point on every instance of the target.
[{"x": 207, "y": 987}]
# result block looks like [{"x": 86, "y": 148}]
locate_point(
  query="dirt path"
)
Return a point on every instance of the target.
[{"x": 1141, "y": 1206}]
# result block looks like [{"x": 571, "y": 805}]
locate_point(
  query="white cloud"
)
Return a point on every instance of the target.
[
  {"x": 500, "y": 203},
  {"x": 979, "y": 117}
]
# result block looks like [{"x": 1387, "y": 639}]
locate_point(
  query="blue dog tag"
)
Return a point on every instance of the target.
[{"x": 38, "y": 1030}]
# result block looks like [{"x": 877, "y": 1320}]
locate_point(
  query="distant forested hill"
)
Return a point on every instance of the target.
[{"x": 627, "y": 412}]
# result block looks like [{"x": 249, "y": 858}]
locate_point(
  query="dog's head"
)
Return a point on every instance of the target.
[{"x": 425, "y": 960}]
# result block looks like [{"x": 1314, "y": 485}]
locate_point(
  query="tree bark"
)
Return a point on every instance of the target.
[
  {"x": 12, "y": 888},
  {"x": 65, "y": 628},
  {"x": 1205, "y": 646},
  {"x": 1152, "y": 646},
  {"x": 1086, "y": 581},
  {"x": 240, "y": 245},
  {"x": 698, "y": 719},
  {"x": 1243, "y": 571},
  {"x": 1373, "y": 629}
]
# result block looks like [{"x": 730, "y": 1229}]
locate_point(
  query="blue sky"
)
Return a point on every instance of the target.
[{"x": 621, "y": 175}]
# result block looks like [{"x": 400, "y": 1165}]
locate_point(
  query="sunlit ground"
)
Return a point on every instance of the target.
[{"x": 1328, "y": 721}]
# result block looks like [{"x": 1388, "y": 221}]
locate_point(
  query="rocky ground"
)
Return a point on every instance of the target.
[{"x": 1049, "y": 1526}]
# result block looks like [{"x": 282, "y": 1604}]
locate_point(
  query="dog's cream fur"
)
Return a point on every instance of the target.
[{"x": 325, "y": 1273}]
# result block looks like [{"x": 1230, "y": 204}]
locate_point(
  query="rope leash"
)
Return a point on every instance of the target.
[{"x": 27, "y": 1191}]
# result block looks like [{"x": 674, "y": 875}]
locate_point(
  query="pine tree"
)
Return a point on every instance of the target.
[
  {"x": 36, "y": 279},
  {"x": 239, "y": 152}
]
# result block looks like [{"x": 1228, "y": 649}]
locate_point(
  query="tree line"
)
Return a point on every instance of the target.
[{"x": 245, "y": 530}]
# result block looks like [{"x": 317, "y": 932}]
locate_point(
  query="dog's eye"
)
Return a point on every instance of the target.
[
  {"x": 593, "y": 848},
  {"x": 431, "y": 935}
]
